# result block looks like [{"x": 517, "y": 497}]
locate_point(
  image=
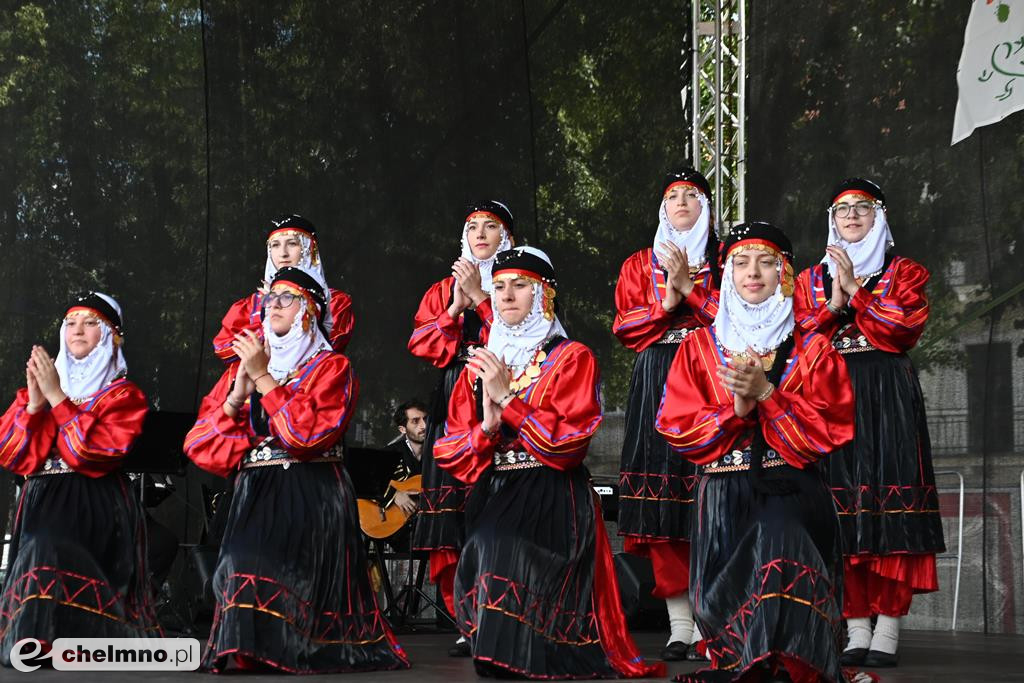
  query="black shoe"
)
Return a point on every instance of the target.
[
  {"x": 853, "y": 657},
  {"x": 880, "y": 660},
  {"x": 674, "y": 651},
  {"x": 694, "y": 655},
  {"x": 460, "y": 649}
]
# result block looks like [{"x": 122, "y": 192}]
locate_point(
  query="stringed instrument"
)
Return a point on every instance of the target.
[{"x": 394, "y": 519}]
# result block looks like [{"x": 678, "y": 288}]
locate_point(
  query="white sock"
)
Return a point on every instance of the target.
[
  {"x": 887, "y": 634},
  {"x": 680, "y": 618},
  {"x": 697, "y": 637},
  {"x": 859, "y": 631}
]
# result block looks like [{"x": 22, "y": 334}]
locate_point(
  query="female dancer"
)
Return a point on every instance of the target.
[
  {"x": 291, "y": 242},
  {"x": 757, "y": 407},
  {"x": 663, "y": 294},
  {"x": 291, "y": 582},
  {"x": 535, "y": 589},
  {"x": 78, "y": 550},
  {"x": 454, "y": 314},
  {"x": 872, "y": 306}
]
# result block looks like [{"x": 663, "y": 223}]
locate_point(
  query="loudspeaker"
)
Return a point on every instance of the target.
[{"x": 636, "y": 581}]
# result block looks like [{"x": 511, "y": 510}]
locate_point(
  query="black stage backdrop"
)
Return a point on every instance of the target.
[{"x": 146, "y": 145}]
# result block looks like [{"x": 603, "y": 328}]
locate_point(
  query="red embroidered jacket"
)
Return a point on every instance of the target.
[
  {"x": 640, "y": 320},
  {"x": 306, "y": 416},
  {"x": 92, "y": 438},
  {"x": 553, "y": 419},
  {"x": 809, "y": 415},
  {"x": 891, "y": 316},
  {"x": 436, "y": 337}
]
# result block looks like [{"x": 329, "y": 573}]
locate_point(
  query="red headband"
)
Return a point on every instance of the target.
[
  {"x": 289, "y": 228},
  {"x": 846, "y": 193},
  {"x": 682, "y": 182},
  {"x": 486, "y": 214}
]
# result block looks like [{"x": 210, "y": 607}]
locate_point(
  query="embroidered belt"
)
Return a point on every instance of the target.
[
  {"x": 738, "y": 461},
  {"x": 851, "y": 343},
  {"x": 54, "y": 464},
  {"x": 515, "y": 460},
  {"x": 858, "y": 344},
  {"x": 267, "y": 456},
  {"x": 674, "y": 336}
]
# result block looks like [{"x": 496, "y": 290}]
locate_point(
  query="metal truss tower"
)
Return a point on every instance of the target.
[{"x": 714, "y": 102}]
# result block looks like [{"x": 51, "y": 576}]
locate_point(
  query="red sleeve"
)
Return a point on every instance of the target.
[
  {"x": 703, "y": 300},
  {"x": 25, "y": 440},
  {"x": 310, "y": 415},
  {"x": 94, "y": 437},
  {"x": 344, "y": 320},
  {"x": 640, "y": 319},
  {"x": 486, "y": 313},
  {"x": 464, "y": 450},
  {"x": 562, "y": 409},
  {"x": 811, "y": 314},
  {"x": 243, "y": 314},
  {"x": 894, "y": 320},
  {"x": 216, "y": 443},
  {"x": 812, "y": 412},
  {"x": 697, "y": 415},
  {"x": 436, "y": 337}
]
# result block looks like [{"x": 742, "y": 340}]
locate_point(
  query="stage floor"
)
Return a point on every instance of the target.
[{"x": 925, "y": 656}]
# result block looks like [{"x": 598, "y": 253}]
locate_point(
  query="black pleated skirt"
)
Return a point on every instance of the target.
[
  {"x": 766, "y": 574},
  {"x": 77, "y": 563},
  {"x": 883, "y": 482},
  {"x": 440, "y": 523},
  {"x": 291, "y": 581},
  {"x": 657, "y": 486},
  {"x": 525, "y": 580}
]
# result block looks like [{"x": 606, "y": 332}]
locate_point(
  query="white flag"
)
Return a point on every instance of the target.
[{"x": 991, "y": 72}]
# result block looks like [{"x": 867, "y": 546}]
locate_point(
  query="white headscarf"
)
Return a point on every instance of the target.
[
  {"x": 761, "y": 326},
  {"x": 81, "y": 378},
  {"x": 693, "y": 241},
  {"x": 486, "y": 266},
  {"x": 868, "y": 255},
  {"x": 314, "y": 270},
  {"x": 516, "y": 344},
  {"x": 290, "y": 351}
]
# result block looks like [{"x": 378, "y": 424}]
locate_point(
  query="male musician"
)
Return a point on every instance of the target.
[{"x": 411, "y": 420}]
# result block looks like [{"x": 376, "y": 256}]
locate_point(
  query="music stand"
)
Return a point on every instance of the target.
[
  {"x": 413, "y": 591},
  {"x": 155, "y": 456},
  {"x": 371, "y": 470}
]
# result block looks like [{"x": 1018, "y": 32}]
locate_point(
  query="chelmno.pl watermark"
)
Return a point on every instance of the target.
[{"x": 108, "y": 654}]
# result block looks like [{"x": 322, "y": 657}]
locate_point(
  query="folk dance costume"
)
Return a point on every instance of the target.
[
  {"x": 765, "y": 553},
  {"x": 291, "y": 581},
  {"x": 78, "y": 549},
  {"x": 656, "y": 487},
  {"x": 535, "y": 589},
  {"x": 882, "y": 482},
  {"x": 245, "y": 314},
  {"x": 444, "y": 342}
]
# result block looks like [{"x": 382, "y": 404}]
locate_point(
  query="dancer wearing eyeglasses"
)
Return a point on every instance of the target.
[
  {"x": 292, "y": 586},
  {"x": 871, "y": 304}
]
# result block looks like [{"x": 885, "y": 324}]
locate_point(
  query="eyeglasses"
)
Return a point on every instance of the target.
[
  {"x": 282, "y": 299},
  {"x": 860, "y": 208}
]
